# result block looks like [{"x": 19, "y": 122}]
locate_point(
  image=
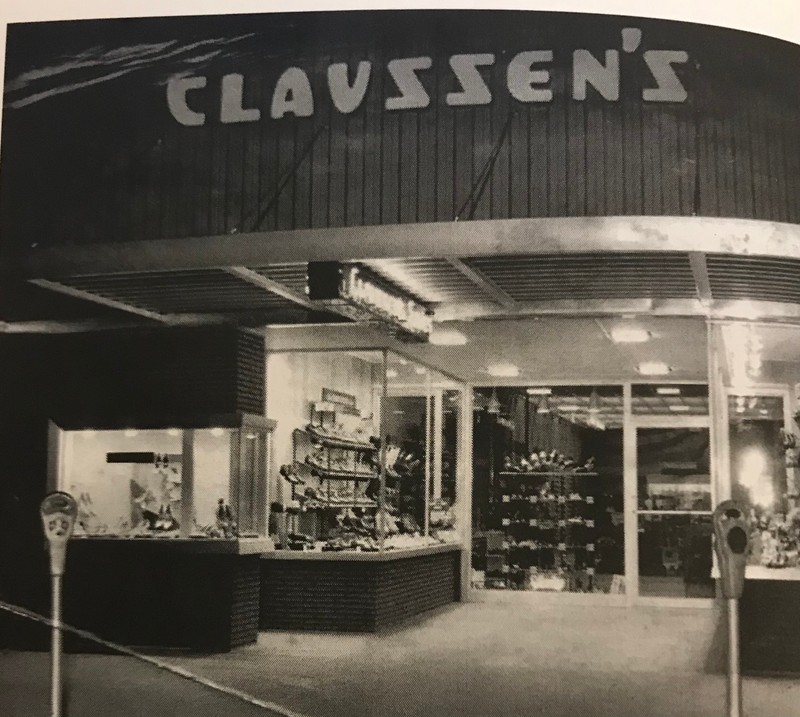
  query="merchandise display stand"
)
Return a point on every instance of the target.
[{"x": 548, "y": 523}]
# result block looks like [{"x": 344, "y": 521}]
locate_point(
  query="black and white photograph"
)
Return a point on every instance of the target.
[{"x": 400, "y": 361}]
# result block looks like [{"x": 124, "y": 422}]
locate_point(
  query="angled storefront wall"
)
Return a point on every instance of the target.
[{"x": 232, "y": 125}]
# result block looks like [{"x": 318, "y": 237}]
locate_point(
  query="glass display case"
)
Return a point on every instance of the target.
[
  {"x": 364, "y": 451},
  {"x": 208, "y": 482}
]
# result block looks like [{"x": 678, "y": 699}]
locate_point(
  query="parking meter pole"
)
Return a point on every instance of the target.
[
  {"x": 734, "y": 671},
  {"x": 57, "y": 651},
  {"x": 732, "y": 543},
  {"x": 59, "y": 512}
]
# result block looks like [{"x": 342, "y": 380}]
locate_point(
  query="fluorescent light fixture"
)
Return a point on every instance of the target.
[
  {"x": 653, "y": 368},
  {"x": 131, "y": 433},
  {"x": 764, "y": 412},
  {"x": 447, "y": 337},
  {"x": 594, "y": 402},
  {"x": 668, "y": 391},
  {"x": 173, "y": 432},
  {"x": 503, "y": 370},
  {"x": 679, "y": 408},
  {"x": 629, "y": 335},
  {"x": 391, "y": 373},
  {"x": 217, "y": 432},
  {"x": 539, "y": 391}
]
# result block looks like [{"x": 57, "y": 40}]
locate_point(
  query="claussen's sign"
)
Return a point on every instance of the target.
[{"x": 528, "y": 79}]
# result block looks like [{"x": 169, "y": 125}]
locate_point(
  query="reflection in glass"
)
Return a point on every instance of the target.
[
  {"x": 673, "y": 469},
  {"x": 675, "y": 556}
]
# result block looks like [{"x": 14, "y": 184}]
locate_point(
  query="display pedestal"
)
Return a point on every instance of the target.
[
  {"x": 198, "y": 595},
  {"x": 770, "y": 629},
  {"x": 356, "y": 592}
]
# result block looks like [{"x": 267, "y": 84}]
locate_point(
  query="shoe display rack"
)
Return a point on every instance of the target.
[{"x": 548, "y": 520}]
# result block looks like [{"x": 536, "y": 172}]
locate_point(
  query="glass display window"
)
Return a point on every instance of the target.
[
  {"x": 169, "y": 483},
  {"x": 359, "y": 452},
  {"x": 548, "y": 495}
]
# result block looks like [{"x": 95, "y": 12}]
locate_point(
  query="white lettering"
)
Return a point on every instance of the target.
[
  {"x": 587, "y": 69},
  {"x": 177, "y": 88},
  {"x": 523, "y": 79},
  {"x": 474, "y": 89},
  {"x": 670, "y": 88},
  {"x": 347, "y": 97},
  {"x": 412, "y": 92},
  {"x": 292, "y": 94},
  {"x": 231, "y": 110}
]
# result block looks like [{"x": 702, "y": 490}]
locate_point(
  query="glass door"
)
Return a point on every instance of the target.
[{"x": 669, "y": 493}]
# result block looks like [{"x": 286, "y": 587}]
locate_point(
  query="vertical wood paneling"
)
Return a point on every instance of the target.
[
  {"x": 670, "y": 163},
  {"x": 408, "y": 177},
  {"x": 576, "y": 158},
  {"x": 613, "y": 180},
  {"x": 445, "y": 150},
  {"x": 355, "y": 165},
  {"x": 428, "y": 154},
  {"x": 595, "y": 161},
  {"x": 519, "y": 162},
  {"x": 372, "y": 150},
  {"x": 651, "y": 161},
  {"x": 484, "y": 137},
  {"x": 319, "y": 157},
  {"x": 500, "y": 180},
  {"x": 390, "y": 162}
]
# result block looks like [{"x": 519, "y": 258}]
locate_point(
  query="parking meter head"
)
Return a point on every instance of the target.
[
  {"x": 732, "y": 543},
  {"x": 59, "y": 512}
]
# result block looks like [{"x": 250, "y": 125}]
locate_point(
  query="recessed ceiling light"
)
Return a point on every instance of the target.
[
  {"x": 447, "y": 337},
  {"x": 653, "y": 368},
  {"x": 539, "y": 391},
  {"x": 629, "y": 335},
  {"x": 668, "y": 391},
  {"x": 503, "y": 370},
  {"x": 391, "y": 373},
  {"x": 679, "y": 408}
]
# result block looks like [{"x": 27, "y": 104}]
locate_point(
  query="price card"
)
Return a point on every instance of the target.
[
  {"x": 590, "y": 499},
  {"x": 506, "y": 499},
  {"x": 562, "y": 523},
  {"x": 590, "y": 571},
  {"x": 506, "y": 545},
  {"x": 562, "y": 546},
  {"x": 590, "y": 547},
  {"x": 506, "y": 521},
  {"x": 533, "y": 522},
  {"x": 533, "y": 499},
  {"x": 505, "y": 568},
  {"x": 590, "y": 524}
]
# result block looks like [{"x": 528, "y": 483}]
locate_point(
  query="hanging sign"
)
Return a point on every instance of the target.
[{"x": 353, "y": 292}]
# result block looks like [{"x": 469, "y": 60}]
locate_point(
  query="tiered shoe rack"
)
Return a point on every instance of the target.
[{"x": 548, "y": 520}]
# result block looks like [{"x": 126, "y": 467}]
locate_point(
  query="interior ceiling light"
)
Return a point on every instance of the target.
[
  {"x": 539, "y": 391},
  {"x": 679, "y": 408},
  {"x": 594, "y": 402},
  {"x": 503, "y": 370},
  {"x": 668, "y": 391},
  {"x": 653, "y": 368},
  {"x": 420, "y": 370},
  {"x": 447, "y": 337},
  {"x": 494, "y": 404},
  {"x": 629, "y": 335},
  {"x": 544, "y": 405},
  {"x": 391, "y": 373},
  {"x": 569, "y": 407}
]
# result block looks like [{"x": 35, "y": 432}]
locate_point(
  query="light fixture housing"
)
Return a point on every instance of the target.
[
  {"x": 653, "y": 368},
  {"x": 446, "y": 337},
  {"x": 539, "y": 391},
  {"x": 594, "y": 402},
  {"x": 629, "y": 335},
  {"x": 668, "y": 391},
  {"x": 503, "y": 370},
  {"x": 494, "y": 404}
]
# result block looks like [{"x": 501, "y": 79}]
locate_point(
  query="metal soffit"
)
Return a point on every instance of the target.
[{"x": 463, "y": 288}]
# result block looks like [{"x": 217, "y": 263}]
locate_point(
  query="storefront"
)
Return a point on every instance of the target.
[{"x": 408, "y": 308}]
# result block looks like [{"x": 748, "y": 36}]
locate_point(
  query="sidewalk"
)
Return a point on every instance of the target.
[{"x": 476, "y": 659}]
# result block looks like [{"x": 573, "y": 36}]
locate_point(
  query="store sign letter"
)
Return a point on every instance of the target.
[
  {"x": 526, "y": 84},
  {"x": 587, "y": 70},
  {"x": 474, "y": 89},
  {"x": 231, "y": 110},
  {"x": 404, "y": 74},
  {"x": 177, "y": 88},
  {"x": 292, "y": 94},
  {"x": 670, "y": 88},
  {"x": 346, "y": 97}
]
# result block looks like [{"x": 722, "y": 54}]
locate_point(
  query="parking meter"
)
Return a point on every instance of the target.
[
  {"x": 732, "y": 533},
  {"x": 59, "y": 512}
]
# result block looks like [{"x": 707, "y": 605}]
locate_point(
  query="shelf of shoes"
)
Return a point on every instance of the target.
[{"x": 544, "y": 505}]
